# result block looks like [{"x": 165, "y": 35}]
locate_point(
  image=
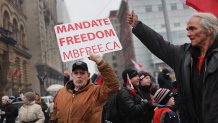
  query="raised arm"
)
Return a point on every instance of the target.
[
  {"x": 167, "y": 52},
  {"x": 110, "y": 82}
]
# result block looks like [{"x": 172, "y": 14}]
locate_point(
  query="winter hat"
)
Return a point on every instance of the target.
[
  {"x": 5, "y": 98},
  {"x": 143, "y": 74},
  {"x": 30, "y": 96},
  {"x": 166, "y": 71},
  {"x": 79, "y": 64},
  {"x": 131, "y": 72},
  {"x": 162, "y": 96}
]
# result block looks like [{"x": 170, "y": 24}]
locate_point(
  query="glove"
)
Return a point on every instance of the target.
[{"x": 96, "y": 58}]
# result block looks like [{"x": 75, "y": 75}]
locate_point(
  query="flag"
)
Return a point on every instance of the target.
[
  {"x": 16, "y": 72},
  {"x": 210, "y": 6},
  {"x": 130, "y": 86},
  {"x": 99, "y": 80},
  {"x": 138, "y": 66}
]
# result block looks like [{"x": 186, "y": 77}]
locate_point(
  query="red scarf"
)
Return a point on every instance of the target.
[{"x": 200, "y": 62}]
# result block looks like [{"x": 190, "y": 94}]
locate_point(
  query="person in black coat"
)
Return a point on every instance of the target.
[
  {"x": 164, "y": 79},
  {"x": 145, "y": 86},
  {"x": 8, "y": 111},
  {"x": 131, "y": 105},
  {"x": 195, "y": 65},
  {"x": 44, "y": 106},
  {"x": 66, "y": 76}
]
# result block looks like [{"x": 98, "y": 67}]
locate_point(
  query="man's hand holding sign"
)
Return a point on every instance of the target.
[{"x": 76, "y": 40}]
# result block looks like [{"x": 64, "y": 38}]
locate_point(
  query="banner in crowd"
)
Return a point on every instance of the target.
[
  {"x": 137, "y": 65},
  {"x": 77, "y": 40}
]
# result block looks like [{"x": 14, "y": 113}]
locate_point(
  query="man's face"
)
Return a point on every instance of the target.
[
  {"x": 4, "y": 101},
  {"x": 80, "y": 77},
  {"x": 171, "y": 101},
  {"x": 196, "y": 33},
  {"x": 135, "y": 80},
  {"x": 25, "y": 100}
]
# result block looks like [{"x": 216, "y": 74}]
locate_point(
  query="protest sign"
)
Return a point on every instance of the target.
[{"x": 76, "y": 40}]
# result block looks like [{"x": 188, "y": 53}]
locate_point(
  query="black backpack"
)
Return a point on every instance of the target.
[
  {"x": 110, "y": 113},
  {"x": 171, "y": 117}
]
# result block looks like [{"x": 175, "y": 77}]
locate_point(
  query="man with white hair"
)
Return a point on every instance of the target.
[
  {"x": 195, "y": 65},
  {"x": 8, "y": 111}
]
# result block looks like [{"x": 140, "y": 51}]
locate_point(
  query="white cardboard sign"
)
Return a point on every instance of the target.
[{"x": 76, "y": 40}]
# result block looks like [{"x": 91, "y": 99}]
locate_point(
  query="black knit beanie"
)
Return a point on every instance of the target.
[{"x": 131, "y": 72}]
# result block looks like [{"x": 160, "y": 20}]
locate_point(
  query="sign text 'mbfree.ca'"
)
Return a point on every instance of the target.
[{"x": 95, "y": 49}]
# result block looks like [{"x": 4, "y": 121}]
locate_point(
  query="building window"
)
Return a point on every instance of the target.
[
  {"x": 148, "y": 8},
  {"x": 114, "y": 58},
  {"x": 22, "y": 35},
  {"x": 163, "y": 26},
  {"x": 18, "y": 3},
  {"x": 15, "y": 30},
  {"x": 160, "y": 8},
  {"x": 173, "y": 6},
  {"x": 6, "y": 21},
  {"x": 176, "y": 24},
  {"x": 114, "y": 65}
]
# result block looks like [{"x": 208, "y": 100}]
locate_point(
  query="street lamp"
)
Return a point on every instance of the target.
[
  {"x": 49, "y": 75},
  {"x": 46, "y": 65},
  {"x": 166, "y": 18}
]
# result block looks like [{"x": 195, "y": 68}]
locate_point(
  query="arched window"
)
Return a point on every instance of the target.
[
  {"x": 6, "y": 20},
  {"x": 15, "y": 30},
  {"x": 22, "y": 36}
]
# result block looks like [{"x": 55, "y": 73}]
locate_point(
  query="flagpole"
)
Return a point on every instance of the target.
[{"x": 167, "y": 22}]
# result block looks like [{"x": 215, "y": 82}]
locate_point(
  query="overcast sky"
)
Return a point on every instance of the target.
[{"x": 80, "y": 10}]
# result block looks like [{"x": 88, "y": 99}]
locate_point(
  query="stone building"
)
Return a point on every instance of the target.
[
  {"x": 45, "y": 64},
  {"x": 14, "y": 55}
]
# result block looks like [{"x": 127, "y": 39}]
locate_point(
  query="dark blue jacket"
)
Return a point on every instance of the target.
[{"x": 11, "y": 113}]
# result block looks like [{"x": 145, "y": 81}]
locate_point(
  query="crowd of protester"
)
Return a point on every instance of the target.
[{"x": 187, "y": 98}]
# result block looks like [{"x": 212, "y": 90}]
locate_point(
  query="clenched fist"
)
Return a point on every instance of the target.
[
  {"x": 132, "y": 19},
  {"x": 95, "y": 58}
]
